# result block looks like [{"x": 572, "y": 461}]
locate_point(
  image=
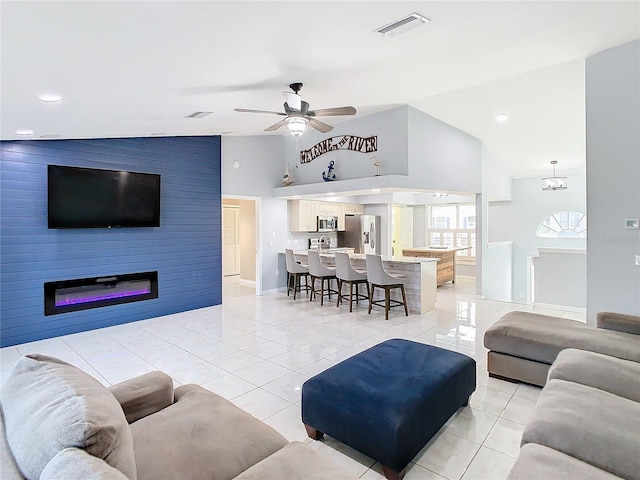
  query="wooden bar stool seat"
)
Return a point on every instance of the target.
[
  {"x": 346, "y": 274},
  {"x": 378, "y": 277},
  {"x": 318, "y": 270},
  {"x": 295, "y": 272}
]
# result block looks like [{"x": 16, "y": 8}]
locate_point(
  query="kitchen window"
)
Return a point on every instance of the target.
[{"x": 453, "y": 225}]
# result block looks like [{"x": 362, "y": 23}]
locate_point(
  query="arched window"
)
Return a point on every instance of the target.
[{"x": 565, "y": 224}]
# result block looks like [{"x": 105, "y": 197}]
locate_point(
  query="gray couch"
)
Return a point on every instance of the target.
[
  {"x": 60, "y": 423},
  {"x": 522, "y": 345},
  {"x": 586, "y": 423}
]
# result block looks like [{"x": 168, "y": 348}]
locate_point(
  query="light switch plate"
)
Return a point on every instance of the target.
[
  {"x": 632, "y": 224},
  {"x": 638, "y": 260}
]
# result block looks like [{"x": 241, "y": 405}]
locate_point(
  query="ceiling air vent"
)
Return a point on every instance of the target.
[
  {"x": 198, "y": 114},
  {"x": 400, "y": 26}
]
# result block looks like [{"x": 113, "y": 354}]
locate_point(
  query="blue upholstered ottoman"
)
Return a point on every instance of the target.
[{"x": 389, "y": 400}]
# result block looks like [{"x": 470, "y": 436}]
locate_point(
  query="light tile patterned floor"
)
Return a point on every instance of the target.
[{"x": 257, "y": 352}]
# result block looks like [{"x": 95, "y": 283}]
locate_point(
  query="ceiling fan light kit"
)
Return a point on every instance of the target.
[
  {"x": 554, "y": 183},
  {"x": 298, "y": 116},
  {"x": 296, "y": 125}
]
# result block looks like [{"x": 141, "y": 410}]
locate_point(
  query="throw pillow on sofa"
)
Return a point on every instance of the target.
[{"x": 49, "y": 405}]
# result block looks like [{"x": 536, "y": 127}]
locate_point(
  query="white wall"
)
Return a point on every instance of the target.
[
  {"x": 518, "y": 221},
  {"x": 420, "y": 226},
  {"x": 496, "y": 184},
  {"x": 261, "y": 169},
  {"x": 391, "y": 128},
  {"x": 443, "y": 157},
  {"x": 493, "y": 280},
  {"x": 496, "y": 277},
  {"x": 613, "y": 179},
  {"x": 561, "y": 278},
  {"x": 410, "y": 143}
]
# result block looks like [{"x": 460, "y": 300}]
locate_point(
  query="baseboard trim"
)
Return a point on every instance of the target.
[
  {"x": 565, "y": 308},
  {"x": 274, "y": 290}
]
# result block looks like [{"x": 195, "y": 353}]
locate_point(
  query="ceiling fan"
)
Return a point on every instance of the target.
[{"x": 298, "y": 116}]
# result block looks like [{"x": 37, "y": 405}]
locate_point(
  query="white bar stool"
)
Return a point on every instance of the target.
[
  {"x": 294, "y": 272},
  {"x": 378, "y": 277},
  {"x": 346, "y": 274},
  {"x": 317, "y": 270}
]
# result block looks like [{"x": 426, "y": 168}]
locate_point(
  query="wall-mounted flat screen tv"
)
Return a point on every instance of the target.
[{"x": 94, "y": 198}]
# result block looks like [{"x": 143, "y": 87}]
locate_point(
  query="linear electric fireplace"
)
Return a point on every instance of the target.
[{"x": 83, "y": 293}]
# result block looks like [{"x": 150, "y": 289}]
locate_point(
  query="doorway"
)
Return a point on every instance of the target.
[
  {"x": 240, "y": 242},
  {"x": 401, "y": 228},
  {"x": 230, "y": 240}
]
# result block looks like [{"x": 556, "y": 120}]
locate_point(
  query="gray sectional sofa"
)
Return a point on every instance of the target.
[
  {"x": 586, "y": 423},
  {"x": 60, "y": 423},
  {"x": 522, "y": 345}
]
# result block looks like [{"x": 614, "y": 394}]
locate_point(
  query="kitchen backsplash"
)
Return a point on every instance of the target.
[{"x": 300, "y": 240}]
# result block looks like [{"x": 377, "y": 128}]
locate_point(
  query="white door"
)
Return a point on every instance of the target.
[
  {"x": 230, "y": 240},
  {"x": 402, "y": 228}
]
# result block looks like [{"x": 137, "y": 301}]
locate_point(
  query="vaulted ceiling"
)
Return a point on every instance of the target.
[{"x": 139, "y": 68}]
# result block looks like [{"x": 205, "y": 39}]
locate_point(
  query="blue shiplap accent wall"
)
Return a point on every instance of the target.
[{"x": 185, "y": 249}]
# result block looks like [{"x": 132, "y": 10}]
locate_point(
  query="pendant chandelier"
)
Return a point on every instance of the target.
[{"x": 554, "y": 183}]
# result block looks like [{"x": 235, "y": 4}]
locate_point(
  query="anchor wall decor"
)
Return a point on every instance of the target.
[{"x": 327, "y": 177}]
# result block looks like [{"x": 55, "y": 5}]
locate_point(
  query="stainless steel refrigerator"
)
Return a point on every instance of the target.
[{"x": 361, "y": 232}]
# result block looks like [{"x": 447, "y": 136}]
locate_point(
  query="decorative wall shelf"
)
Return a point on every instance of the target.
[{"x": 354, "y": 186}]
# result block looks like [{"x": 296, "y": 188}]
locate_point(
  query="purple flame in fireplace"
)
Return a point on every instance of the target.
[{"x": 96, "y": 298}]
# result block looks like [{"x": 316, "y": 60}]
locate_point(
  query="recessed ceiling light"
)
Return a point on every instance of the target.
[
  {"x": 375, "y": 189},
  {"x": 24, "y": 131},
  {"x": 330, "y": 194},
  {"x": 296, "y": 196},
  {"x": 50, "y": 97},
  {"x": 502, "y": 117}
]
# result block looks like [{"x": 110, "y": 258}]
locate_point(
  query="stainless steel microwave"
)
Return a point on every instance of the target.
[{"x": 327, "y": 223}]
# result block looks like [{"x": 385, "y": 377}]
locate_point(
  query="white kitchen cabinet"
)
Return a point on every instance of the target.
[
  {"x": 353, "y": 209},
  {"x": 327, "y": 208},
  {"x": 303, "y": 215},
  {"x": 348, "y": 209}
]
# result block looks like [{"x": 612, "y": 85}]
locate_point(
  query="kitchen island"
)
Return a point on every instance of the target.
[
  {"x": 419, "y": 273},
  {"x": 446, "y": 256}
]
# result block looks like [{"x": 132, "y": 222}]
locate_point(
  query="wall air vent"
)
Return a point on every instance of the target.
[
  {"x": 198, "y": 114},
  {"x": 400, "y": 26}
]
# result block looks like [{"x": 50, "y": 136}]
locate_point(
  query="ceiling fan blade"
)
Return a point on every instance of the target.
[
  {"x": 275, "y": 126},
  {"x": 328, "y": 112},
  {"x": 318, "y": 125},
  {"x": 248, "y": 110}
]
